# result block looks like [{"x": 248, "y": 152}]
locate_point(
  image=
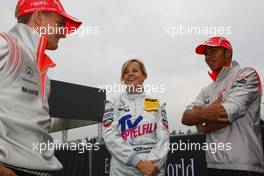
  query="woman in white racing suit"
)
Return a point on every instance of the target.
[{"x": 135, "y": 127}]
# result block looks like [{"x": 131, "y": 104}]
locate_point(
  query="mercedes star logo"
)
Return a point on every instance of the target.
[{"x": 29, "y": 72}]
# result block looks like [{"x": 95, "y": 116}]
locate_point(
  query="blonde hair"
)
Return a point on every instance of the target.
[{"x": 125, "y": 65}]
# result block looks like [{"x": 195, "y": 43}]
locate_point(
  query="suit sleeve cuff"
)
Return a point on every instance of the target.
[
  {"x": 232, "y": 111},
  {"x": 134, "y": 161}
]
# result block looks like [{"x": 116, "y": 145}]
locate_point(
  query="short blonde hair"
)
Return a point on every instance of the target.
[{"x": 125, "y": 65}]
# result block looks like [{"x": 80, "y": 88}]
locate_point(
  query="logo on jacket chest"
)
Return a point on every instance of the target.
[
  {"x": 30, "y": 91},
  {"x": 124, "y": 109},
  {"x": 151, "y": 105},
  {"x": 214, "y": 93},
  {"x": 134, "y": 129},
  {"x": 207, "y": 99},
  {"x": 125, "y": 122},
  {"x": 29, "y": 72},
  {"x": 29, "y": 75}
]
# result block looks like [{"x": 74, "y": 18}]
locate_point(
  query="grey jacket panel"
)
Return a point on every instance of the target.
[
  {"x": 24, "y": 111},
  {"x": 3, "y": 53},
  {"x": 245, "y": 91},
  {"x": 241, "y": 92}
]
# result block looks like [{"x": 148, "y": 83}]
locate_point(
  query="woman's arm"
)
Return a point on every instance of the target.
[
  {"x": 161, "y": 150},
  {"x": 116, "y": 145}
]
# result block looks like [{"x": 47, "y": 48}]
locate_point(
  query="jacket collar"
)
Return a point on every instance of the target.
[
  {"x": 34, "y": 44},
  {"x": 134, "y": 95},
  {"x": 224, "y": 72}
]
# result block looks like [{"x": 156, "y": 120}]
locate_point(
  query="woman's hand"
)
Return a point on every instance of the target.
[{"x": 148, "y": 167}]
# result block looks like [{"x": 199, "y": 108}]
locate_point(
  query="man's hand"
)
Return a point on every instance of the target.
[
  {"x": 200, "y": 126},
  {"x": 195, "y": 107},
  {"x": 215, "y": 112},
  {"x": 215, "y": 115},
  {"x": 148, "y": 167},
  {"x": 5, "y": 171}
]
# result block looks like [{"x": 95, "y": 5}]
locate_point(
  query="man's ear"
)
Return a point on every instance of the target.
[
  {"x": 228, "y": 53},
  {"x": 36, "y": 18}
]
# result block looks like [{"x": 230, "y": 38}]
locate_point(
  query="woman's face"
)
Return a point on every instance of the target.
[{"x": 133, "y": 75}]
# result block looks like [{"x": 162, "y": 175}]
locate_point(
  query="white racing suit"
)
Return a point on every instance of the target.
[{"x": 135, "y": 128}]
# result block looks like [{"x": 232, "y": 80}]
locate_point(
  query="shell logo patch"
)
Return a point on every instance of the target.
[{"x": 151, "y": 105}]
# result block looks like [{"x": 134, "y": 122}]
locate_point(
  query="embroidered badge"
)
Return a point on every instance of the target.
[{"x": 151, "y": 105}]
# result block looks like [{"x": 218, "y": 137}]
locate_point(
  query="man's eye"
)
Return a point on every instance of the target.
[{"x": 214, "y": 49}]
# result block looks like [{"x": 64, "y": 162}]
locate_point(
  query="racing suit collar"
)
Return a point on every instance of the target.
[
  {"x": 34, "y": 44},
  {"x": 134, "y": 95},
  {"x": 225, "y": 71}
]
